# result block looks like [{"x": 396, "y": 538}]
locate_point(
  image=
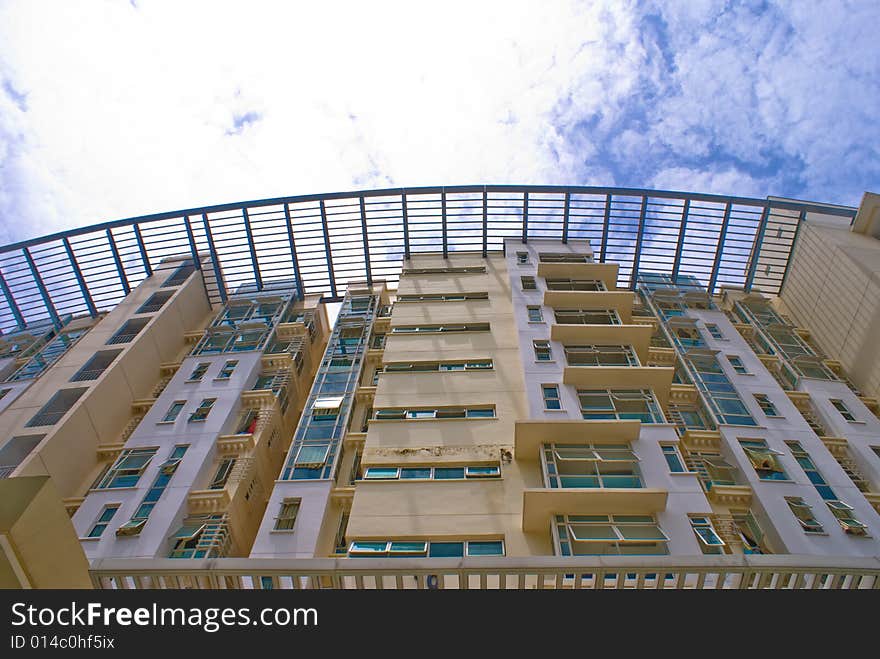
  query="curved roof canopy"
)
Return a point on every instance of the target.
[{"x": 322, "y": 241}]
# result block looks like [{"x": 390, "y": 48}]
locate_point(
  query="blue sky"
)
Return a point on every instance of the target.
[{"x": 114, "y": 109}]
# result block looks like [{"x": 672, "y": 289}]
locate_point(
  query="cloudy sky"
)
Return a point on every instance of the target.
[{"x": 116, "y": 108}]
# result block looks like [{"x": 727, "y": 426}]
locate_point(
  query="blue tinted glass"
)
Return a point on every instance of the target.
[
  {"x": 446, "y": 549},
  {"x": 443, "y": 473},
  {"x": 411, "y": 472},
  {"x": 493, "y": 548}
]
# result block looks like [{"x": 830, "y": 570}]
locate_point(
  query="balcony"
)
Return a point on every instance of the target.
[
  {"x": 529, "y": 436},
  {"x": 604, "y": 272},
  {"x": 728, "y": 572},
  {"x": 621, "y": 301},
  {"x": 656, "y": 378},
  {"x": 541, "y": 504},
  {"x": 638, "y": 336}
]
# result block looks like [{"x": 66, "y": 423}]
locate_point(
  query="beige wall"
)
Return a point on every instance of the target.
[
  {"x": 38, "y": 544},
  {"x": 68, "y": 452},
  {"x": 455, "y": 509},
  {"x": 833, "y": 289}
]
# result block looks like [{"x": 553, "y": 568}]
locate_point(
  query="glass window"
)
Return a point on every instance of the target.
[
  {"x": 592, "y": 535},
  {"x": 804, "y": 515},
  {"x": 551, "y": 397},
  {"x": 766, "y": 405},
  {"x": 287, "y": 515},
  {"x": 843, "y": 409},
  {"x": 226, "y": 372},
  {"x": 714, "y": 331},
  {"x": 522, "y": 258},
  {"x": 173, "y": 411},
  {"x": 542, "y": 351},
  {"x": 673, "y": 458},
  {"x": 737, "y": 364},
  {"x": 103, "y": 519},
  {"x": 127, "y": 469},
  {"x": 710, "y": 541},
  {"x": 199, "y": 371},
  {"x": 535, "y": 314},
  {"x": 764, "y": 459},
  {"x": 202, "y": 411},
  {"x": 591, "y": 466},
  {"x": 528, "y": 283}
]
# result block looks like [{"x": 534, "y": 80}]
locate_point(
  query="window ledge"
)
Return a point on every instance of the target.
[
  {"x": 220, "y": 379},
  {"x": 562, "y": 410},
  {"x": 166, "y": 423},
  {"x": 858, "y": 423},
  {"x": 89, "y": 539},
  {"x": 537, "y": 322},
  {"x": 545, "y": 361},
  {"x": 461, "y": 418},
  {"x": 112, "y": 489},
  {"x": 282, "y": 531},
  {"x": 683, "y": 473}
]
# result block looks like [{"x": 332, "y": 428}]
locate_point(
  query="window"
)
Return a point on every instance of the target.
[
  {"x": 3, "y": 393},
  {"x": 442, "y": 297},
  {"x": 166, "y": 470},
  {"x": 710, "y": 541},
  {"x": 601, "y": 355},
  {"x": 226, "y": 372},
  {"x": 103, "y": 519},
  {"x": 53, "y": 411},
  {"x": 842, "y": 408},
  {"x": 428, "y": 367},
  {"x": 673, "y": 458},
  {"x": 410, "y": 472},
  {"x": 547, "y": 257},
  {"x": 551, "y": 397},
  {"x": 535, "y": 314},
  {"x": 542, "y": 351},
  {"x": 14, "y": 451},
  {"x": 426, "y": 548},
  {"x": 200, "y": 536},
  {"x": 528, "y": 283},
  {"x": 468, "y": 270},
  {"x": 180, "y": 275},
  {"x": 482, "y": 412},
  {"x": 170, "y": 465},
  {"x": 287, "y": 515},
  {"x": 127, "y": 469},
  {"x": 597, "y": 535},
  {"x": 737, "y": 364},
  {"x": 128, "y": 331},
  {"x": 804, "y": 515},
  {"x": 198, "y": 372},
  {"x": 574, "y": 285},
  {"x": 591, "y": 466},
  {"x": 47, "y": 355},
  {"x": 711, "y": 469},
  {"x": 713, "y": 330},
  {"x": 377, "y": 342},
  {"x": 750, "y": 534},
  {"x": 221, "y": 476},
  {"x": 173, "y": 411},
  {"x": 155, "y": 302},
  {"x": 816, "y": 478},
  {"x": 430, "y": 329},
  {"x": 710, "y": 378},
  {"x": 764, "y": 459},
  {"x": 620, "y": 404},
  {"x": 202, "y": 410},
  {"x": 586, "y": 316},
  {"x": 522, "y": 258},
  {"x": 766, "y": 405},
  {"x": 93, "y": 368},
  {"x": 845, "y": 516}
]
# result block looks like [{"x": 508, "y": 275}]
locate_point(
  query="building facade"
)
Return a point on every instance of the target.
[{"x": 533, "y": 416}]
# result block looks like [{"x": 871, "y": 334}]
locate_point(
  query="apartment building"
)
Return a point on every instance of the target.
[{"x": 511, "y": 410}]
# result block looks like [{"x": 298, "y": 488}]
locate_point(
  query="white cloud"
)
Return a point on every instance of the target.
[{"x": 132, "y": 110}]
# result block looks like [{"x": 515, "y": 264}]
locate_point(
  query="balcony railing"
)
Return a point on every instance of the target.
[
  {"x": 742, "y": 572},
  {"x": 121, "y": 338},
  {"x": 6, "y": 470},
  {"x": 45, "y": 419},
  {"x": 92, "y": 374}
]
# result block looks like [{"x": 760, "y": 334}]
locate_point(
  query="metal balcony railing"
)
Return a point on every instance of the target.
[
  {"x": 6, "y": 470},
  {"x": 92, "y": 374},
  {"x": 45, "y": 419},
  {"x": 121, "y": 338},
  {"x": 742, "y": 572}
]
